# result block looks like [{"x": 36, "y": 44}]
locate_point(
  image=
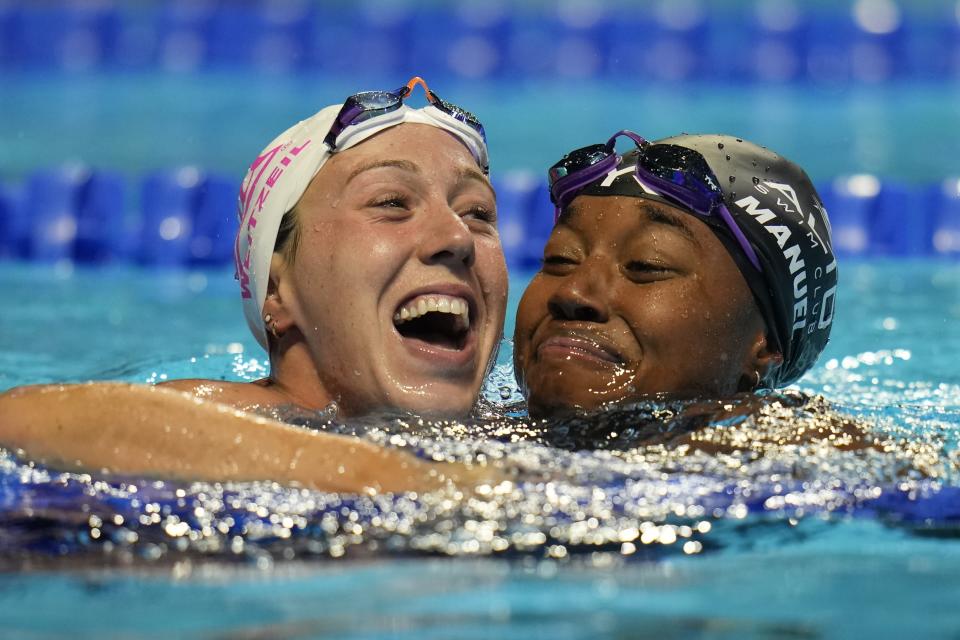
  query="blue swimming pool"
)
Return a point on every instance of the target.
[
  {"x": 152, "y": 110},
  {"x": 848, "y": 534}
]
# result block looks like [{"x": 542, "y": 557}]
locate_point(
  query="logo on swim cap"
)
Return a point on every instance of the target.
[{"x": 789, "y": 239}]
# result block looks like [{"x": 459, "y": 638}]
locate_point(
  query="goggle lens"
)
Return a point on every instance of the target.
[
  {"x": 578, "y": 160},
  {"x": 365, "y": 105},
  {"x": 676, "y": 173},
  {"x": 457, "y": 112}
]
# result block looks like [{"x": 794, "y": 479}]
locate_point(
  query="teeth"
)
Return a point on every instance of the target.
[{"x": 435, "y": 304}]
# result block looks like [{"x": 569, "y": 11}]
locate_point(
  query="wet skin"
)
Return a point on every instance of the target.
[
  {"x": 405, "y": 216},
  {"x": 635, "y": 297}
]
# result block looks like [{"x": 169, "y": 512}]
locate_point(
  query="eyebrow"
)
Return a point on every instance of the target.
[
  {"x": 473, "y": 174},
  {"x": 476, "y": 176},
  {"x": 653, "y": 213},
  {"x": 658, "y": 215},
  {"x": 404, "y": 165},
  {"x": 570, "y": 211}
]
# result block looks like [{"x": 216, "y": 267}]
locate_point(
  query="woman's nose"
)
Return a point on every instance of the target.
[
  {"x": 447, "y": 239},
  {"x": 581, "y": 296}
]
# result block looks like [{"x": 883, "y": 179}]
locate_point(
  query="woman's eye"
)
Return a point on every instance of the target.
[
  {"x": 391, "y": 202},
  {"x": 482, "y": 214},
  {"x": 639, "y": 268},
  {"x": 557, "y": 263}
]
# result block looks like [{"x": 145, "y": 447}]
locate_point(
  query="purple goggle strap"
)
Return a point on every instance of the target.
[{"x": 702, "y": 204}]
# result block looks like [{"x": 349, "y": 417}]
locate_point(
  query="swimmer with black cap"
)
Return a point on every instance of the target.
[{"x": 694, "y": 266}]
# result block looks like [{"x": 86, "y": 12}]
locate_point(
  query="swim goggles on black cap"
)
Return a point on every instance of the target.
[
  {"x": 370, "y": 104},
  {"x": 677, "y": 174}
]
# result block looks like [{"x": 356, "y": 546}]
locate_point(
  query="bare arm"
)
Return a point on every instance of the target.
[{"x": 141, "y": 430}]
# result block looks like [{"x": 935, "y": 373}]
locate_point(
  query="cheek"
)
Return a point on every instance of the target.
[
  {"x": 327, "y": 271},
  {"x": 705, "y": 323},
  {"x": 492, "y": 271},
  {"x": 531, "y": 310},
  {"x": 683, "y": 323},
  {"x": 354, "y": 256},
  {"x": 668, "y": 309}
]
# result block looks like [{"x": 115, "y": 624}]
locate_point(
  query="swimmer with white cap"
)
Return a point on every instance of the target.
[
  {"x": 370, "y": 269},
  {"x": 369, "y": 261}
]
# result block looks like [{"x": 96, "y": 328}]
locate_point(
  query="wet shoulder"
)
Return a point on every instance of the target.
[
  {"x": 242, "y": 395},
  {"x": 712, "y": 425}
]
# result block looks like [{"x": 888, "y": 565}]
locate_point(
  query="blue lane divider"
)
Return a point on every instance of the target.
[
  {"x": 823, "y": 43},
  {"x": 102, "y": 232},
  {"x": 186, "y": 217},
  {"x": 373, "y": 38},
  {"x": 515, "y": 194},
  {"x": 214, "y": 220},
  {"x": 166, "y": 202},
  {"x": 13, "y": 223},
  {"x": 903, "y": 225},
  {"x": 851, "y": 203},
  {"x": 73, "y": 36},
  {"x": 944, "y": 201},
  {"x": 54, "y": 202},
  {"x": 539, "y": 224}
]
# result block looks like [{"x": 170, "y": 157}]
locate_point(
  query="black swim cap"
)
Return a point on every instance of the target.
[{"x": 776, "y": 206}]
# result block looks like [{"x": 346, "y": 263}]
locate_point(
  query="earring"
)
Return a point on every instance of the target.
[{"x": 271, "y": 325}]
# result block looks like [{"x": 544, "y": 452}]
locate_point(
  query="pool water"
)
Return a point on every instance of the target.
[{"x": 810, "y": 543}]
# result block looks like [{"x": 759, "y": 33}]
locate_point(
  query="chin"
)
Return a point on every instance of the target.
[
  {"x": 437, "y": 402},
  {"x": 435, "y": 410},
  {"x": 558, "y": 401},
  {"x": 555, "y": 402}
]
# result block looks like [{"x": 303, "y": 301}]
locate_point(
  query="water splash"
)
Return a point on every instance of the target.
[{"x": 626, "y": 482}]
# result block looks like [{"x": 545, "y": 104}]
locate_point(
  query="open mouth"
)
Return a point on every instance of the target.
[{"x": 439, "y": 320}]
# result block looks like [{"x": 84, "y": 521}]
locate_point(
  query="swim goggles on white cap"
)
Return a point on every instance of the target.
[
  {"x": 282, "y": 172},
  {"x": 363, "y": 106}
]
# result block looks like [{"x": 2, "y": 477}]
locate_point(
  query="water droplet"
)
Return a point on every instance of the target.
[
  {"x": 733, "y": 179},
  {"x": 767, "y": 169},
  {"x": 753, "y": 162},
  {"x": 719, "y": 145},
  {"x": 728, "y": 158},
  {"x": 505, "y": 392},
  {"x": 739, "y": 139},
  {"x": 756, "y": 180}
]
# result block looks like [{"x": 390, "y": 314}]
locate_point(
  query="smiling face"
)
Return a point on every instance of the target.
[
  {"x": 399, "y": 284},
  {"x": 635, "y": 297}
]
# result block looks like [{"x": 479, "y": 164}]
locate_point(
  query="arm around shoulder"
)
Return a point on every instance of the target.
[{"x": 143, "y": 430}]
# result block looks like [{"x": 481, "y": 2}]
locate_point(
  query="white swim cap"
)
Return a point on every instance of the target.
[{"x": 281, "y": 173}]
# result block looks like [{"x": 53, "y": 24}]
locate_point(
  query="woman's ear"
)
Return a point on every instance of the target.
[
  {"x": 278, "y": 315},
  {"x": 761, "y": 361}
]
